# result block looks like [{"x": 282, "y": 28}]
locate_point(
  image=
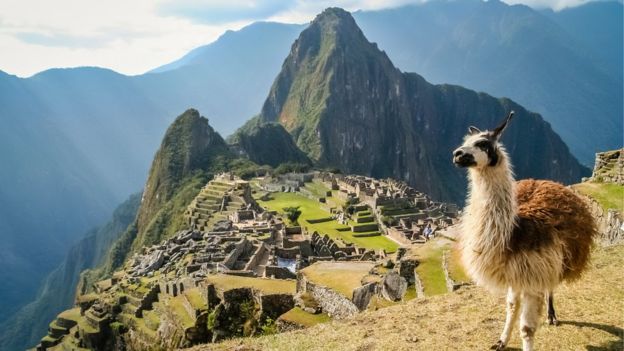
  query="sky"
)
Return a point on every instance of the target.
[{"x": 134, "y": 36}]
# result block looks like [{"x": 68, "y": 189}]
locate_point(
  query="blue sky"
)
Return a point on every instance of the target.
[{"x": 135, "y": 36}]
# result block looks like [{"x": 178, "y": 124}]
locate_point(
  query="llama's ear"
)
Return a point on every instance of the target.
[
  {"x": 498, "y": 131},
  {"x": 472, "y": 130}
]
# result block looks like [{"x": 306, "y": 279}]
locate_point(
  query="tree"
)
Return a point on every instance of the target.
[{"x": 292, "y": 213}]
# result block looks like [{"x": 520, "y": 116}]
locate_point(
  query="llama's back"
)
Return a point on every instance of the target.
[{"x": 554, "y": 213}]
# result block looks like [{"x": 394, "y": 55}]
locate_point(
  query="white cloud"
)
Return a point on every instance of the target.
[
  {"x": 134, "y": 36},
  {"x": 126, "y": 36}
]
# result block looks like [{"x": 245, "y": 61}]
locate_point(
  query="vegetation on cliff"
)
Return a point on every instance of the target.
[
  {"x": 59, "y": 289},
  {"x": 347, "y": 106},
  {"x": 267, "y": 144},
  {"x": 190, "y": 154}
]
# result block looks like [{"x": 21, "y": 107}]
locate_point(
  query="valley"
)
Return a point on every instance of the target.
[{"x": 242, "y": 257}]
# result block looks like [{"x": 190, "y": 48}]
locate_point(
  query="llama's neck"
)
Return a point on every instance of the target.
[{"x": 491, "y": 209}]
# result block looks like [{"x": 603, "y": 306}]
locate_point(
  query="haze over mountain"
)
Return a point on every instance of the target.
[
  {"x": 80, "y": 140},
  {"x": 76, "y": 142},
  {"x": 517, "y": 52},
  {"x": 347, "y": 106}
]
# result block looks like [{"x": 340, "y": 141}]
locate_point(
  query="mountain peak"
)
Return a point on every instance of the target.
[
  {"x": 336, "y": 22},
  {"x": 347, "y": 106},
  {"x": 331, "y": 49},
  {"x": 335, "y": 15}
]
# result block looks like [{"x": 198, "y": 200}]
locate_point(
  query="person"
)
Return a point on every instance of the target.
[{"x": 428, "y": 231}]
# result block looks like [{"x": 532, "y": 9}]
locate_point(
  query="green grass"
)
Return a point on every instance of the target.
[
  {"x": 85, "y": 326},
  {"x": 341, "y": 277},
  {"x": 151, "y": 320},
  {"x": 317, "y": 188},
  {"x": 72, "y": 315},
  {"x": 141, "y": 325},
  {"x": 301, "y": 317},
  {"x": 430, "y": 268},
  {"x": 455, "y": 268},
  {"x": 267, "y": 286},
  {"x": 195, "y": 298},
  {"x": 176, "y": 305},
  {"x": 311, "y": 209},
  {"x": 609, "y": 195},
  {"x": 48, "y": 338}
]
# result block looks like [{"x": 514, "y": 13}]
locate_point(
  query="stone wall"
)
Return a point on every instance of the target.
[
  {"x": 238, "y": 250},
  {"x": 332, "y": 303},
  {"x": 148, "y": 300},
  {"x": 279, "y": 272},
  {"x": 397, "y": 235},
  {"x": 274, "y": 305},
  {"x": 610, "y": 224},
  {"x": 256, "y": 257}
]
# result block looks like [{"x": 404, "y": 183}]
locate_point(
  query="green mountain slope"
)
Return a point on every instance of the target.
[
  {"x": 347, "y": 106},
  {"x": 25, "y": 328},
  {"x": 267, "y": 144},
  {"x": 190, "y": 153}
]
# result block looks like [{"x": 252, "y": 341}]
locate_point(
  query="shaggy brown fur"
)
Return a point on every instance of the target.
[
  {"x": 526, "y": 237},
  {"x": 547, "y": 213}
]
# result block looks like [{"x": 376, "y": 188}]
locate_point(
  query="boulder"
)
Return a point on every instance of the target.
[
  {"x": 393, "y": 286},
  {"x": 363, "y": 295}
]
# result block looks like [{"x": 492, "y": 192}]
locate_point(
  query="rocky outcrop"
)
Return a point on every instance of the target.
[{"x": 347, "y": 106}]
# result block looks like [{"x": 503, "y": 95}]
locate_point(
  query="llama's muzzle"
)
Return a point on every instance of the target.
[{"x": 463, "y": 159}]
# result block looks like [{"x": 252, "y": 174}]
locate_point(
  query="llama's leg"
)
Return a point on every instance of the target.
[
  {"x": 529, "y": 318},
  {"x": 513, "y": 306},
  {"x": 552, "y": 317}
]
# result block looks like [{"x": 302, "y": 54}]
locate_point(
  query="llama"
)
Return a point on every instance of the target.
[{"x": 521, "y": 237}]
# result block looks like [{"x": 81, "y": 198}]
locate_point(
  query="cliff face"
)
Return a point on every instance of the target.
[
  {"x": 267, "y": 144},
  {"x": 189, "y": 145},
  {"x": 191, "y": 151},
  {"x": 347, "y": 106}
]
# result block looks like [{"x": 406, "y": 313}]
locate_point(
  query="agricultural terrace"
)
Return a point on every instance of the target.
[{"x": 311, "y": 210}]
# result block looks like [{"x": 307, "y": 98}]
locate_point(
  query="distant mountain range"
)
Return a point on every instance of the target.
[
  {"x": 76, "y": 142},
  {"x": 348, "y": 107}
]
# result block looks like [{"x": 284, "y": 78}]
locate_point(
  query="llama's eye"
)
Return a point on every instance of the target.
[{"x": 482, "y": 144}]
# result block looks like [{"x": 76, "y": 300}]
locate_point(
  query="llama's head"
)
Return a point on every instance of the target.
[{"x": 481, "y": 149}]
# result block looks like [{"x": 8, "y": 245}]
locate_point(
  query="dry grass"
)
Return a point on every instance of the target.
[
  {"x": 341, "y": 277},
  {"x": 267, "y": 286},
  {"x": 590, "y": 310}
]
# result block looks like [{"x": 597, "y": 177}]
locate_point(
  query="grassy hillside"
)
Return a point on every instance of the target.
[
  {"x": 590, "y": 312},
  {"x": 311, "y": 210},
  {"x": 609, "y": 195}
]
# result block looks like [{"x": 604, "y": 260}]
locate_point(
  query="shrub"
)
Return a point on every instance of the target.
[
  {"x": 292, "y": 213},
  {"x": 269, "y": 327}
]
